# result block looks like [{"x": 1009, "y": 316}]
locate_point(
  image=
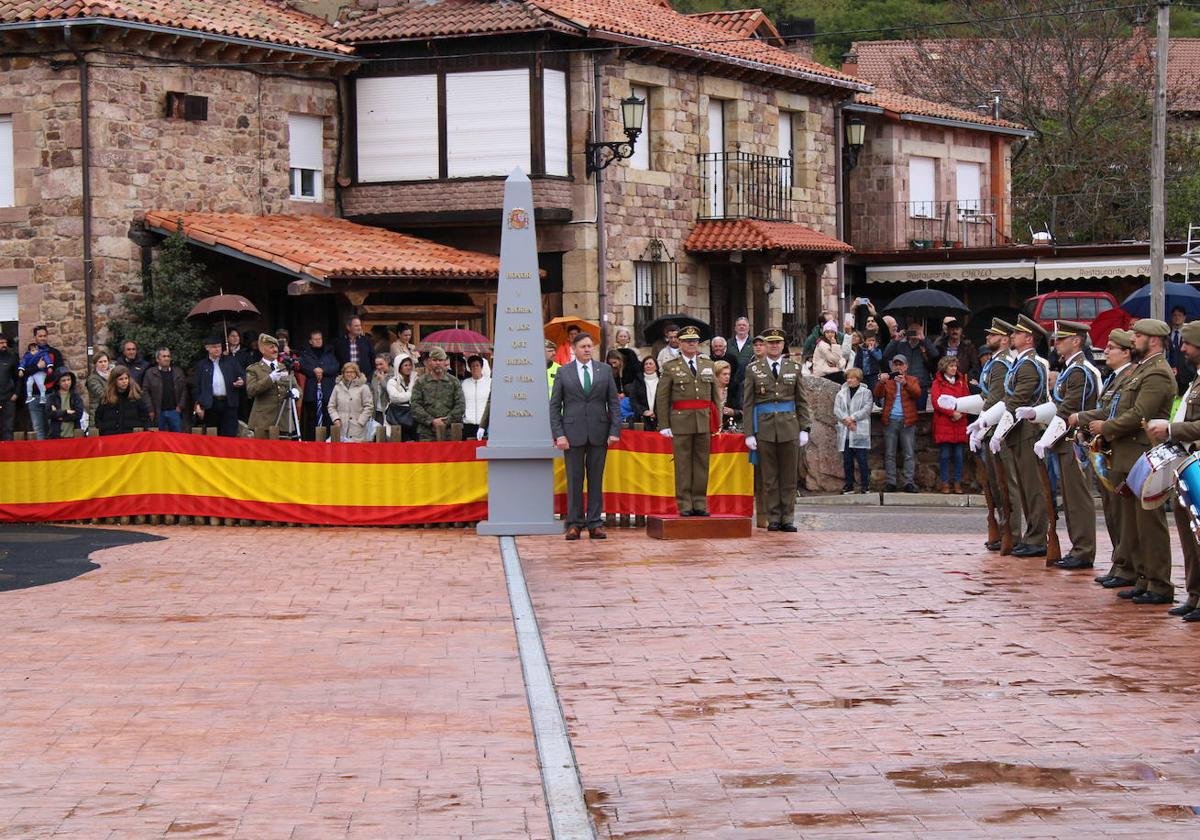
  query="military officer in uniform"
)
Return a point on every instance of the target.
[
  {"x": 1145, "y": 394},
  {"x": 437, "y": 398},
  {"x": 773, "y": 404},
  {"x": 1025, "y": 385},
  {"x": 1184, "y": 427},
  {"x": 1117, "y": 355},
  {"x": 269, "y": 384},
  {"x": 991, "y": 387},
  {"x": 686, "y": 407},
  {"x": 1076, "y": 391}
]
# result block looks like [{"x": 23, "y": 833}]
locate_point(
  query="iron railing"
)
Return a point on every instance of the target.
[
  {"x": 926, "y": 225},
  {"x": 740, "y": 185}
]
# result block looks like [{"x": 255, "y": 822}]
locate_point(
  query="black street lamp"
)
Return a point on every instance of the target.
[
  {"x": 600, "y": 155},
  {"x": 856, "y": 135}
]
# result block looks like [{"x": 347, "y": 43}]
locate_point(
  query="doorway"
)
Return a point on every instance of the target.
[{"x": 726, "y": 296}]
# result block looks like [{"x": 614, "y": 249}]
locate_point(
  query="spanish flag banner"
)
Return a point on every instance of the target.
[{"x": 322, "y": 484}]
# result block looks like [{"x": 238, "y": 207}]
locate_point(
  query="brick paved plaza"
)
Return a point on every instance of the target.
[{"x": 876, "y": 675}]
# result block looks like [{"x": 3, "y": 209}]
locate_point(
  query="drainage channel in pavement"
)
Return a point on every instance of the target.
[{"x": 556, "y": 759}]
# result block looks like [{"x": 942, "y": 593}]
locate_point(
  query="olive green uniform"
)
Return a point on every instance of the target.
[
  {"x": 436, "y": 398},
  {"x": 1025, "y": 385},
  {"x": 992, "y": 378},
  {"x": 1145, "y": 394},
  {"x": 691, "y": 429},
  {"x": 1122, "y": 564},
  {"x": 1187, "y": 430},
  {"x": 777, "y": 432},
  {"x": 268, "y": 396},
  {"x": 1075, "y": 392}
]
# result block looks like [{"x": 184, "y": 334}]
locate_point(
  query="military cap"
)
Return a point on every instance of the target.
[
  {"x": 213, "y": 339},
  {"x": 1069, "y": 329},
  {"x": 438, "y": 354},
  {"x": 1029, "y": 326},
  {"x": 689, "y": 334},
  {"x": 1000, "y": 327},
  {"x": 1121, "y": 338},
  {"x": 774, "y": 335},
  {"x": 759, "y": 337},
  {"x": 267, "y": 338},
  {"x": 1151, "y": 326},
  {"x": 550, "y": 345},
  {"x": 1190, "y": 332}
]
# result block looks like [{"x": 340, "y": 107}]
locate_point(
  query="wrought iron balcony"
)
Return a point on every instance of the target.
[
  {"x": 740, "y": 185},
  {"x": 928, "y": 225}
]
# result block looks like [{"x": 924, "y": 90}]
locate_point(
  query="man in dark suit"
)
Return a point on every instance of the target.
[
  {"x": 215, "y": 382},
  {"x": 585, "y": 419},
  {"x": 1177, "y": 359},
  {"x": 355, "y": 347}
]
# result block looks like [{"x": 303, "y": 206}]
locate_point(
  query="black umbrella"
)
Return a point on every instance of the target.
[
  {"x": 654, "y": 330},
  {"x": 925, "y": 303}
]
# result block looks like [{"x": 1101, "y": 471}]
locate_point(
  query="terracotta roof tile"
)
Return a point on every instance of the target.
[
  {"x": 446, "y": 18},
  {"x": 744, "y": 22},
  {"x": 753, "y": 235},
  {"x": 327, "y": 248},
  {"x": 1183, "y": 74},
  {"x": 900, "y": 103},
  {"x": 272, "y": 21}
]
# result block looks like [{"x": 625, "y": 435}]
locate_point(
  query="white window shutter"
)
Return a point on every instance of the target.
[
  {"x": 306, "y": 142},
  {"x": 397, "y": 128},
  {"x": 967, "y": 185},
  {"x": 8, "y": 304},
  {"x": 786, "y": 141},
  {"x": 487, "y": 122},
  {"x": 554, "y": 98},
  {"x": 7, "y": 191},
  {"x": 922, "y": 195},
  {"x": 641, "y": 149}
]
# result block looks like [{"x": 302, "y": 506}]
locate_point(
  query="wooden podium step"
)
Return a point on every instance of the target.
[{"x": 698, "y": 527}]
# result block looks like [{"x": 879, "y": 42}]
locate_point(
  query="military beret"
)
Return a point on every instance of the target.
[
  {"x": 1069, "y": 329},
  {"x": 267, "y": 338},
  {"x": 775, "y": 335},
  {"x": 1000, "y": 327},
  {"x": 1151, "y": 326},
  {"x": 1121, "y": 338},
  {"x": 689, "y": 334},
  {"x": 438, "y": 354},
  {"x": 1027, "y": 325},
  {"x": 1191, "y": 333}
]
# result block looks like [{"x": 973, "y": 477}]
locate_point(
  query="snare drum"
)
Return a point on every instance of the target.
[
  {"x": 1153, "y": 476},
  {"x": 1188, "y": 478}
]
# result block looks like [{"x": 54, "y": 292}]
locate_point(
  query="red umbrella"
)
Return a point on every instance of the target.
[
  {"x": 1106, "y": 322},
  {"x": 457, "y": 341}
]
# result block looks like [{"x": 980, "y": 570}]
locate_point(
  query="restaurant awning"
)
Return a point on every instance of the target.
[
  {"x": 1100, "y": 269},
  {"x": 951, "y": 272}
]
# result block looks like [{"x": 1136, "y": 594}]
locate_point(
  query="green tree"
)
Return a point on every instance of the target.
[{"x": 175, "y": 282}]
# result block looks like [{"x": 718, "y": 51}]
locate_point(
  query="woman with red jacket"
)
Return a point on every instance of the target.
[{"x": 949, "y": 426}]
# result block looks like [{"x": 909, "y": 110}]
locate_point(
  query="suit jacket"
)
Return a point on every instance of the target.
[
  {"x": 676, "y": 383},
  {"x": 744, "y": 356},
  {"x": 585, "y": 419},
  {"x": 202, "y": 374},
  {"x": 366, "y": 352},
  {"x": 761, "y": 386},
  {"x": 1146, "y": 393}
]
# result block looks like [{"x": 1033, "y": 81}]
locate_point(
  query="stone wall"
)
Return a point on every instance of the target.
[
  {"x": 236, "y": 161},
  {"x": 440, "y": 196}
]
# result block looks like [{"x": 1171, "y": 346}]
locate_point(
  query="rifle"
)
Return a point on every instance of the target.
[
  {"x": 1006, "y": 534},
  {"x": 1053, "y": 549},
  {"x": 993, "y": 526}
]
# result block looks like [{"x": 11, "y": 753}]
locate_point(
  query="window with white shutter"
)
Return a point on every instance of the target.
[
  {"x": 487, "y": 122},
  {"x": 8, "y": 304},
  {"x": 643, "y": 147},
  {"x": 554, "y": 98},
  {"x": 306, "y": 154},
  {"x": 787, "y": 148},
  {"x": 922, "y": 195},
  {"x": 967, "y": 178},
  {"x": 7, "y": 192},
  {"x": 397, "y": 128}
]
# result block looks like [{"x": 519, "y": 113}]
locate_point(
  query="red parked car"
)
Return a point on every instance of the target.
[{"x": 1068, "y": 306}]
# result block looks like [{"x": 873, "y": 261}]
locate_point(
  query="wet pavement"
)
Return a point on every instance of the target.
[
  {"x": 891, "y": 681},
  {"x": 876, "y": 675}
]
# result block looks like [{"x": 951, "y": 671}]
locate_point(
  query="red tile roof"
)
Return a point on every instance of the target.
[
  {"x": 899, "y": 103},
  {"x": 326, "y": 248},
  {"x": 753, "y": 235},
  {"x": 448, "y": 18},
  {"x": 1183, "y": 74},
  {"x": 744, "y": 22},
  {"x": 272, "y": 21}
]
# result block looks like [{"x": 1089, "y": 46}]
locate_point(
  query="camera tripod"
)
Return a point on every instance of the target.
[{"x": 287, "y": 410}]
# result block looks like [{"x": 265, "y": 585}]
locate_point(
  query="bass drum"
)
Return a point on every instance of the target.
[
  {"x": 1153, "y": 476},
  {"x": 1188, "y": 487}
]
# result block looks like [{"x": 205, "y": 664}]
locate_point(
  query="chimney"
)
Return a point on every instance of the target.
[
  {"x": 797, "y": 34},
  {"x": 850, "y": 63}
]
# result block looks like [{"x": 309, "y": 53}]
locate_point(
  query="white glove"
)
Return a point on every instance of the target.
[
  {"x": 973, "y": 442},
  {"x": 295, "y": 392},
  {"x": 667, "y": 433},
  {"x": 1025, "y": 412},
  {"x": 996, "y": 443},
  {"x": 276, "y": 375},
  {"x": 804, "y": 438},
  {"x": 751, "y": 442},
  {"x": 1157, "y": 424},
  {"x": 480, "y": 433},
  {"x": 947, "y": 402},
  {"x": 1039, "y": 450}
]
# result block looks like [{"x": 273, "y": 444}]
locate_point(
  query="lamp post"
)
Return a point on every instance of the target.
[
  {"x": 601, "y": 154},
  {"x": 856, "y": 135}
]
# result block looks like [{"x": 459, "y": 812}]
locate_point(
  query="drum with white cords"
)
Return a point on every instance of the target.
[{"x": 1152, "y": 477}]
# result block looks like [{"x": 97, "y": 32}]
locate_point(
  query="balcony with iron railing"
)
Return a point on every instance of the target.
[
  {"x": 740, "y": 185},
  {"x": 928, "y": 225}
]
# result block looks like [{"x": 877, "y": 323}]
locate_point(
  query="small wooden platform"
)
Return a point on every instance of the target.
[{"x": 698, "y": 527}]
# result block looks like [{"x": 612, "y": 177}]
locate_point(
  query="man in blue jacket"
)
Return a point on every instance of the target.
[
  {"x": 320, "y": 369},
  {"x": 215, "y": 382}
]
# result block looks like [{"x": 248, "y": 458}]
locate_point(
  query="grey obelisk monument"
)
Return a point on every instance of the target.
[{"x": 521, "y": 472}]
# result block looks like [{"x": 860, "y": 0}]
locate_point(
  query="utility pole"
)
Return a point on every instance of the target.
[{"x": 1158, "y": 163}]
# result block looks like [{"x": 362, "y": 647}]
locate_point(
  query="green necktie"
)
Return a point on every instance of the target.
[{"x": 587, "y": 379}]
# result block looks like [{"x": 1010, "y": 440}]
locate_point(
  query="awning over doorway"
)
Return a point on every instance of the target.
[
  {"x": 752, "y": 235},
  {"x": 323, "y": 249},
  {"x": 1101, "y": 269},
  {"x": 951, "y": 272}
]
